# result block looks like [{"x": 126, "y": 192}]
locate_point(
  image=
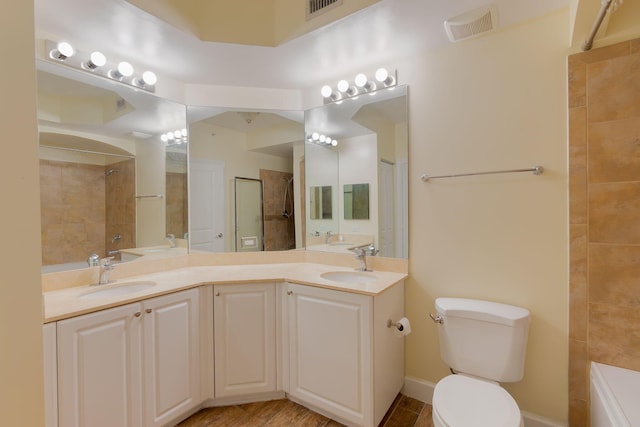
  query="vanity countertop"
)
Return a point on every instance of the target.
[{"x": 65, "y": 303}]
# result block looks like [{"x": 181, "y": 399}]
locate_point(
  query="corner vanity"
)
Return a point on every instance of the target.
[{"x": 151, "y": 349}]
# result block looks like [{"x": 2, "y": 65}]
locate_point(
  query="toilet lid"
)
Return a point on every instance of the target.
[{"x": 461, "y": 401}]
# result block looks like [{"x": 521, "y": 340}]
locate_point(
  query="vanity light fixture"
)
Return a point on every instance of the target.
[
  {"x": 175, "y": 137},
  {"x": 362, "y": 84},
  {"x": 62, "y": 51},
  {"x": 96, "y": 63},
  {"x": 322, "y": 140}
]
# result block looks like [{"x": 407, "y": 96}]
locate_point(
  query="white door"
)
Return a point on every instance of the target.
[
  {"x": 245, "y": 339},
  {"x": 99, "y": 375},
  {"x": 171, "y": 355},
  {"x": 330, "y": 363},
  {"x": 387, "y": 203},
  {"x": 206, "y": 205}
]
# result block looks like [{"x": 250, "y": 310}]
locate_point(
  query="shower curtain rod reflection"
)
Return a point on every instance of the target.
[{"x": 537, "y": 170}]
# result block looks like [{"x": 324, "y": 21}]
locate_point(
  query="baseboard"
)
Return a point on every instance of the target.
[{"x": 422, "y": 390}]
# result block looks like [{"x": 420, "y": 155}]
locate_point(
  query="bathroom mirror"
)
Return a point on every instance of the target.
[
  {"x": 108, "y": 182},
  {"x": 371, "y": 152},
  {"x": 356, "y": 201},
  {"x": 320, "y": 205},
  {"x": 256, "y": 145}
]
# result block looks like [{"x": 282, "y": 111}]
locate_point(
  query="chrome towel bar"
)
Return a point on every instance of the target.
[
  {"x": 159, "y": 196},
  {"x": 537, "y": 170}
]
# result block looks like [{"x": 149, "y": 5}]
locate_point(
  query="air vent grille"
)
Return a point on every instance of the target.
[
  {"x": 316, "y": 7},
  {"x": 471, "y": 24}
]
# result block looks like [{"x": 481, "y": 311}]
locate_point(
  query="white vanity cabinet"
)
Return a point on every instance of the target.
[
  {"x": 343, "y": 359},
  {"x": 245, "y": 339},
  {"x": 133, "y": 365}
]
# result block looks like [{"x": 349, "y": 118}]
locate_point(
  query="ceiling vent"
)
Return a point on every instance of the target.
[
  {"x": 317, "y": 7},
  {"x": 471, "y": 24}
]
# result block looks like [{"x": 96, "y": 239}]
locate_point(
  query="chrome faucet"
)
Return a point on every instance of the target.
[
  {"x": 105, "y": 269},
  {"x": 172, "y": 240},
  {"x": 361, "y": 254}
]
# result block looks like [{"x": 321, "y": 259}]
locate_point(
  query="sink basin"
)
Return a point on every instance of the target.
[
  {"x": 351, "y": 277},
  {"x": 118, "y": 289}
]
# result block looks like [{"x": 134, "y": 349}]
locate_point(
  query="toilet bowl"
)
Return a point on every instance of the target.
[{"x": 463, "y": 401}]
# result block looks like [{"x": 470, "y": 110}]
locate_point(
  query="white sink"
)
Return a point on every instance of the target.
[
  {"x": 118, "y": 289},
  {"x": 351, "y": 277}
]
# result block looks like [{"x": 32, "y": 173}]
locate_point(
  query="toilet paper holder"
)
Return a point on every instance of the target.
[{"x": 399, "y": 326}]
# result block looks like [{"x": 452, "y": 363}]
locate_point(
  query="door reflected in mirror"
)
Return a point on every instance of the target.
[
  {"x": 320, "y": 205},
  {"x": 356, "y": 201}
]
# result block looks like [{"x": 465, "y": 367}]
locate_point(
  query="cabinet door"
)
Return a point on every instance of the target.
[
  {"x": 50, "y": 375},
  {"x": 245, "y": 339},
  {"x": 171, "y": 356},
  {"x": 99, "y": 375},
  {"x": 330, "y": 351}
]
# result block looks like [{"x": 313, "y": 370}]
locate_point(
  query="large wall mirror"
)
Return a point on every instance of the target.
[
  {"x": 108, "y": 182},
  {"x": 231, "y": 150},
  {"x": 367, "y": 170}
]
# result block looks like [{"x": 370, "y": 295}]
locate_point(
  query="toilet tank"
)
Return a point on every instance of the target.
[{"x": 482, "y": 338}]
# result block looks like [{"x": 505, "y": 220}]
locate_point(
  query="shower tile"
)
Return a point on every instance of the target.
[
  {"x": 614, "y": 89},
  {"x": 634, "y": 46},
  {"x": 614, "y": 213},
  {"x": 614, "y": 275},
  {"x": 614, "y": 150},
  {"x": 578, "y": 282},
  {"x": 578, "y": 185},
  {"x": 578, "y": 365},
  {"x": 605, "y": 53},
  {"x": 577, "y": 82},
  {"x": 578, "y": 412},
  {"x": 614, "y": 335}
]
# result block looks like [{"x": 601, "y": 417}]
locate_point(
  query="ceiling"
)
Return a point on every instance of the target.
[{"x": 368, "y": 38}]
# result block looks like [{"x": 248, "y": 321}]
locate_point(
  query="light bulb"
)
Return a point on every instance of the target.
[
  {"x": 170, "y": 136},
  {"x": 361, "y": 80},
  {"x": 315, "y": 136},
  {"x": 327, "y": 141},
  {"x": 97, "y": 59},
  {"x": 184, "y": 132},
  {"x": 326, "y": 91},
  {"x": 177, "y": 134},
  {"x": 343, "y": 86},
  {"x": 322, "y": 138},
  {"x": 62, "y": 51},
  {"x": 383, "y": 76},
  {"x": 334, "y": 142},
  {"x": 125, "y": 69},
  {"x": 164, "y": 138},
  {"x": 149, "y": 78}
]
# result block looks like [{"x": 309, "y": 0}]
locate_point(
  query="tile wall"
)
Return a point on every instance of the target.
[
  {"x": 604, "y": 215},
  {"x": 72, "y": 209},
  {"x": 279, "y": 232},
  {"x": 177, "y": 221},
  {"x": 120, "y": 206}
]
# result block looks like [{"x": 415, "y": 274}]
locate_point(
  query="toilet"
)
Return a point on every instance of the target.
[{"x": 484, "y": 343}]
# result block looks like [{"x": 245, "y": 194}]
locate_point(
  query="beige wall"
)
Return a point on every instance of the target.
[
  {"x": 21, "y": 391},
  {"x": 496, "y": 102},
  {"x": 604, "y": 133}
]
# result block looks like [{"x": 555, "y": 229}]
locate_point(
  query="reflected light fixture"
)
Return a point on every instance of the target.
[
  {"x": 322, "y": 140},
  {"x": 362, "y": 84},
  {"x": 62, "y": 51},
  {"x": 175, "y": 137},
  {"x": 96, "y": 63}
]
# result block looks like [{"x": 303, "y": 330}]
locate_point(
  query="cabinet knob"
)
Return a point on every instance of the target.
[
  {"x": 289, "y": 292},
  {"x": 148, "y": 310},
  {"x": 138, "y": 314},
  {"x": 217, "y": 294}
]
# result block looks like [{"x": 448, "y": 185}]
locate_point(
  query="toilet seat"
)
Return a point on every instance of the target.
[{"x": 462, "y": 401}]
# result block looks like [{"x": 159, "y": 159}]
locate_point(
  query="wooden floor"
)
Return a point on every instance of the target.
[{"x": 404, "y": 412}]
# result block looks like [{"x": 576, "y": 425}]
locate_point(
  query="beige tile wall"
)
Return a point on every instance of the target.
[
  {"x": 279, "y": 232},
  {"x": 120, "y": 207},
  {"x": 604, "y": 215},
  {"x": 72, "y": 209},
  {"x": 177, "y": 222}
]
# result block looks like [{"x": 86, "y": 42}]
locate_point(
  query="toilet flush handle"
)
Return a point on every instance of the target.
[{"x": 437, "y": 318}]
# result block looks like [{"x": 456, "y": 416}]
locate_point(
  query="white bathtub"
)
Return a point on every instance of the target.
[{"x": 615, "y": 395}]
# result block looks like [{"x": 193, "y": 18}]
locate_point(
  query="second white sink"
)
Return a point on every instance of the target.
[
  {"x": 118, "y": 289},
  {"x": 351, "y": 277}
]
